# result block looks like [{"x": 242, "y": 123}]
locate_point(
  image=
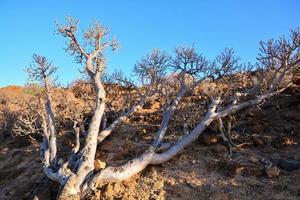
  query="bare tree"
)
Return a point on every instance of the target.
[
  {"x": 189, "y": 68},
  {"x": 91, "y": 54},
  {"x": 283, "y": 53},
  {"x": 150, "y": 72},
  {"x": 71, "y": 175},
  {"x": 168, "y": 78},
  {"x": 41, "y": 70}
]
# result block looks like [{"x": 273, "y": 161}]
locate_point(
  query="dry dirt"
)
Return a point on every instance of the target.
[{"x": 201, "y": 171}]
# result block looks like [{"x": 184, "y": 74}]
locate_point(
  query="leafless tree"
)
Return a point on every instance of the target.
[
  {"x": 150, "y": 72},
  {"x": 41, "y": 70},
  {"x": 286, "y": 60},
  {"x": 170, "y": 78},
  {"x": 91, "y": 54}
]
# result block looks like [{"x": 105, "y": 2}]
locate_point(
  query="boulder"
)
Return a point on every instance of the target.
[
  {"x": 98, "y": 164},
  {"x": 289, "y": 164}
]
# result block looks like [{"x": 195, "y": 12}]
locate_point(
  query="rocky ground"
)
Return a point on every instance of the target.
[{"x": 270, "y": 138}]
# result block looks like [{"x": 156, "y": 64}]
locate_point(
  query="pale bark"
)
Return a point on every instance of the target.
[
  {"x": 82, "y": 175},
  {"x": 48, "y": 148},
  {"x": 77, "y": 138},
  {"x": 44, "y": 147},
  {"x": 226, "y": 136},
  {"x": 114, "y": 174},
  {"x": 85, "y": 163},
  {"x": 50, "y": 124},
  {"x": 169, "y": 112},
  {"x": 107, "y": 131},
  {"x": 167, "y": 116}
]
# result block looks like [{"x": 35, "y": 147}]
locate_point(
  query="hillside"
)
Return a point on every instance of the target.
[{"x": 269, "y": 133}]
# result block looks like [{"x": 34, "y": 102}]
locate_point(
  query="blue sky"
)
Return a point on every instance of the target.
[{"x": 28, "y": 26}]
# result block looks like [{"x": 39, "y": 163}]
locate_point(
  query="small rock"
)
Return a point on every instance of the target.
[
  {"x": 289, "y": 164},
  {"x": 272, "y": 171},
  {"x": 171, "y": 181},
  {"x": 239, "y": 171},
  {"x": 282, "y": 141},
  {"x": 98, "y": 164},
  {"x": 258, "y": 140},
  {"x": 288, "y": 141},
  {"x": 209, "y": 139},
  {"x": 253, "y": 159}
]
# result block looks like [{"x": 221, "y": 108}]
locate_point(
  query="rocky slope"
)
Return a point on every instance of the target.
[{"x": 270, "y": 138}]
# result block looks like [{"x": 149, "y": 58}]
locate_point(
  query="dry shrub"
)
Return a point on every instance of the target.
[
  {"x": 28, "y": 120},
  {"x": 7, "y": 120}
]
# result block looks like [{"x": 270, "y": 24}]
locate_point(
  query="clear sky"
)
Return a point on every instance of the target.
[{"x": 27, "y": 27}]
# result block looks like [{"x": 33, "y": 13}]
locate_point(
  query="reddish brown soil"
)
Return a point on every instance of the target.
[{"x": 199, "y": 172}]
